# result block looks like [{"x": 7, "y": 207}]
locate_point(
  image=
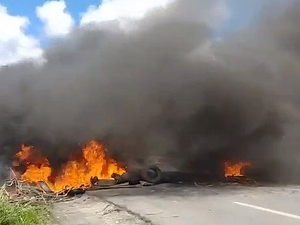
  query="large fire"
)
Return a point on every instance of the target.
[
  {"x": 74, "y": 174},
  {"x": 235, "y": 169}
]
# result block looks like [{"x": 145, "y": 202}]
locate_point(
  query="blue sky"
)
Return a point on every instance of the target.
[
  {"x": 241, "y": 11},
  {"x": 28, "y": 9}
]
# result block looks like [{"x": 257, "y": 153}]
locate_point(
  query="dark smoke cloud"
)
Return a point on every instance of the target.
[{"x": 164, "y": 88}]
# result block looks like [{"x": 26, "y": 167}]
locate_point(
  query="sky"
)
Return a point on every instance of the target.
[{"x": 26, "y": 27}]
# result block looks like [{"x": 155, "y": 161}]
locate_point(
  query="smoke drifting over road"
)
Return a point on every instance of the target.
[{"x": 163, "y": 86}]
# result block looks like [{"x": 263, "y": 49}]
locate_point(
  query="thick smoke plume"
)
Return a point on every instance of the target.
[{"x": 164, "y": 87}]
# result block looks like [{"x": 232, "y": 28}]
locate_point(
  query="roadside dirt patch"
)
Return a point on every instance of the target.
[{"x": 89, "y": 210}]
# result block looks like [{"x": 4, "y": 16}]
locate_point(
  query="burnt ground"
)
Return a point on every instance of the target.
[{"x": 220, "y": 204}]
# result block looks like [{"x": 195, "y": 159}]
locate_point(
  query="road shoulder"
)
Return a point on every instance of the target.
[{"x": 93, "y": 211}]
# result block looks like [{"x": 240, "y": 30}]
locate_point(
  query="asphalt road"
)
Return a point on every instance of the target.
[{"x": 212, "y": 205}]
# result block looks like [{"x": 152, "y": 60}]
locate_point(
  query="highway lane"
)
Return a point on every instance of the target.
[{"x": 221, "y": 205}]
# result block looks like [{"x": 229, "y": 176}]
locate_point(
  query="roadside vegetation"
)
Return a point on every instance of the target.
[{"x": 21, "y": 214}]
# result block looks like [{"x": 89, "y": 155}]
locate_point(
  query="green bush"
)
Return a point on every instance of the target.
[{"x": 21, "y": 214}]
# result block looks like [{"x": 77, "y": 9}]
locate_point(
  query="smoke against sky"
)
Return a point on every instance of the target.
[{"x": 164, "y": 87}]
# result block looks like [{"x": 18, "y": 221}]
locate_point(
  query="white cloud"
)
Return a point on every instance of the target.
[
  {"x": 57, "y": 21},
  {"x": 15, "y": 45},
  {"x": 121, "y": 9}
]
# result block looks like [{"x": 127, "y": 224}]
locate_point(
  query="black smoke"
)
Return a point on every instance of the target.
[{"x": 165, "y": 87}]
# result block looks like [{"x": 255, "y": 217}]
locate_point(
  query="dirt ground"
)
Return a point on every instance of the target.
[{"x": 89, "y": 210}]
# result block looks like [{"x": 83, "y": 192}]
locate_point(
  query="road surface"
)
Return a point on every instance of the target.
[
  {"x": 89, "y": 210},
  {"x": 212, "y": 205}
]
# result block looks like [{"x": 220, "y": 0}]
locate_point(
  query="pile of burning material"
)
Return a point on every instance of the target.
[
  {"x": 34, "y": 175},
  {"x": 35, "y": 179},
  {"x": 228, "y": 173},
  {"x": 234, "y": 172}
]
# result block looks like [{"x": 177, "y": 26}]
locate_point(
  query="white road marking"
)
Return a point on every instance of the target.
[{"x": 268, "y": 210}]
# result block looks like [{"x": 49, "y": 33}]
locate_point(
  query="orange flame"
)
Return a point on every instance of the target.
[
  {"x": 24, "y": 153},
  {"x": 75, "y": 174},
  {"x": 235, "y": 169}
]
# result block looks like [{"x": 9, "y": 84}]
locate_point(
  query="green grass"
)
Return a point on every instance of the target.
[{"x": 21, "y": 214}]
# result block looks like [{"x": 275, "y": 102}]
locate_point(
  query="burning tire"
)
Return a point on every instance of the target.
[{"x": 152, "y": 175}]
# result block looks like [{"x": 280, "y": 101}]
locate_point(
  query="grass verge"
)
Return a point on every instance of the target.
[{"x": 21, "y": 214}]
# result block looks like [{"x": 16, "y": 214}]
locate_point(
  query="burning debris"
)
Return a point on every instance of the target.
[
  {"x": 235, "y": 169},
  {"x": 151, "y": 174},
  {"x": 76, "y": 173},
  {"x": 33, "y": 178},
  {"x": 24, "y": 192},
  {"x": 235, "y": 173}
]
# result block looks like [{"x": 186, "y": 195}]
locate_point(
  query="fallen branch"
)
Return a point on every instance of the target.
[{"x": 23, "y": 192}]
